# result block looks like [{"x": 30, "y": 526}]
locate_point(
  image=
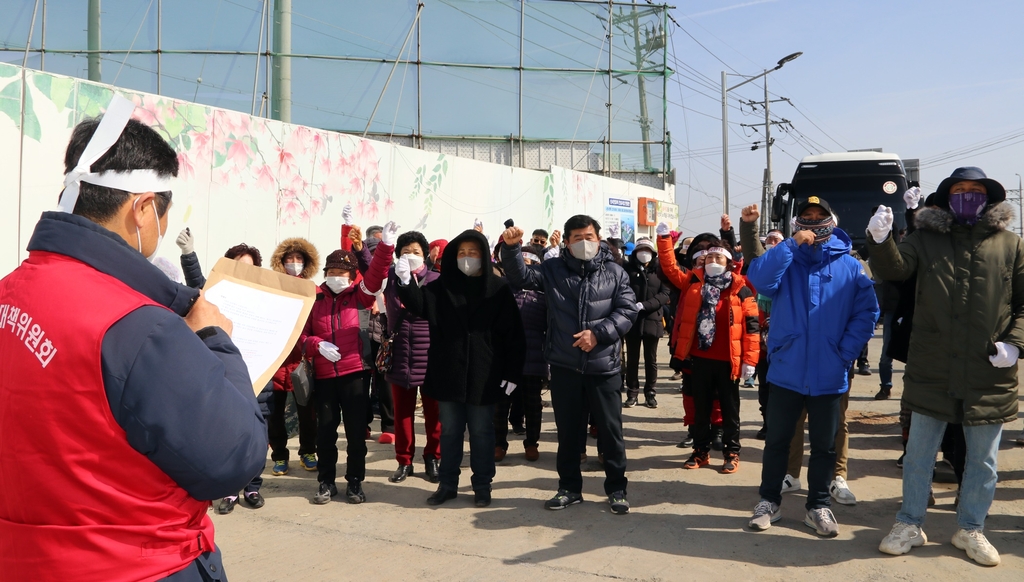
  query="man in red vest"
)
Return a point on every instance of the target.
[{"x": 124, "y": 406}]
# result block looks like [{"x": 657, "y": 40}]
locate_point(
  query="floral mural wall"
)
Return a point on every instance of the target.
[{"x": 251, "y": 179}]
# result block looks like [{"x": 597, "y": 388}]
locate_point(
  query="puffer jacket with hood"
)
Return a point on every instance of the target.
[
  {"x": 823, "y": 312},
  {"x": 410, "y": 346},
  {"x": 970, "y": 294},
  {"x": 744, "y": 326},
  {"x": 476, "y": 332},
  {"x": 335, "y": 318},
  {"x": 581, "y": 295},
  {"x": 650, "y": 289},
  {"x": 283, "y": 376}
]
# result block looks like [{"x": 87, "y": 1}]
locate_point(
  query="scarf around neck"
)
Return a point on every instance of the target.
[{"x": 711, "y": 293}]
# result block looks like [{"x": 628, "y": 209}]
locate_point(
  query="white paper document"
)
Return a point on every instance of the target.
[{"x": 263, "y": 322}]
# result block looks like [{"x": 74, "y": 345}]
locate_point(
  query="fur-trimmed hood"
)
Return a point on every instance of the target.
[
  {"x": 301, "y": 245},
  {"x": 996, "y": 217}
]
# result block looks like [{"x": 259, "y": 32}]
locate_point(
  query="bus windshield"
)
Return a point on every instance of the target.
[{"x": 854, "y": 199}]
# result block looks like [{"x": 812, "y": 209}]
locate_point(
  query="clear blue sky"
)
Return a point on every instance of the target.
[{"x": 917, "y": 78}]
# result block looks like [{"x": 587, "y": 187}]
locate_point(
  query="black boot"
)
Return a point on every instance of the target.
[
  {"x": 401, "y": 473},
  {"x": 441, "y": 495},
  {"x": 687, "y": 441},
  {"x": 716, "y": 440},
  {"x": 431, "y": 470}
]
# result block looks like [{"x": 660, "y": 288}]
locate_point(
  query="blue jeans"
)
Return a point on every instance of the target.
[
  {"x": 979, "y": 484},
  {"x": 455, "y": 416},
  {"x": 784, "y": 408},
  {"x": 884, "y": 361}
]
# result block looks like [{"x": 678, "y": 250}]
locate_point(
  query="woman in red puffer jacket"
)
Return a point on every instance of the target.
[{"x": 331, "y": 339}]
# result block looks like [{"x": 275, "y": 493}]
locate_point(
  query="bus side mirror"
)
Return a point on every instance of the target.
[{"x": 779, "y": 202}]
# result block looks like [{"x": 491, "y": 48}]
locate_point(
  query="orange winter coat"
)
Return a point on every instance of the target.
[{"x": 744, "y": 328}]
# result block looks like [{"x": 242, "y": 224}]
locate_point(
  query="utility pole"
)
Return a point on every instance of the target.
[
  {"x": 654, "y": 40},
  {"x": 281, "y": 89},
  {"x": 95, "y": 72},
  {"x": 1020, "y": 203}
]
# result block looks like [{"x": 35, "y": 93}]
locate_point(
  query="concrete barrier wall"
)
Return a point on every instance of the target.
[{"x": 258, "y": 181}]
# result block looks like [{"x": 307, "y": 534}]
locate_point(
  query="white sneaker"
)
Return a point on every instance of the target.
[
  {"x": 840, "y": 491},
  {"x": 901, "y": 538},
  {"x": 765, "y": 514},
  {"x": 790, "y": 484},
  {"x": 977, "y": 546}
]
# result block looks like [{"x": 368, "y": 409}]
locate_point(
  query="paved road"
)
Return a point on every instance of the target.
[{"x": 684, "y": 525}]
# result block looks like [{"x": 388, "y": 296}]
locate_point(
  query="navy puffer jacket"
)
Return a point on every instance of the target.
[
  {"x": 412, "y": 341},
  {"x": 581, "y": 295},
  {"x": 533, "y": 308}
]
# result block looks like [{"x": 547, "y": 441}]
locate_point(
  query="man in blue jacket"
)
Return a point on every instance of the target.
[
  {"x": 823, "y": 312},
  {"x": 590, "y": 308}
]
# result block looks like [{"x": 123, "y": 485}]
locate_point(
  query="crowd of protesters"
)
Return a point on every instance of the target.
[{"x": 473, "y": 332}]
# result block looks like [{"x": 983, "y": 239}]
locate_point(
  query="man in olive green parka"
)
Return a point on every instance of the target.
[{"x": 968, "y": 332}]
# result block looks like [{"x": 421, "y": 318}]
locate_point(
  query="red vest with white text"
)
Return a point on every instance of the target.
[{"x": 77, "y": 502}]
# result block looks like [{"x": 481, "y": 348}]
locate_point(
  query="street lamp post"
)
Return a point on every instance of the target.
[
  {"x": 1020, "y": 203},
  {"x": 725, "y": 124}
]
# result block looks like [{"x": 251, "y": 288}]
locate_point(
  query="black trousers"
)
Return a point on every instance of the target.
[
  {"x": 342, "y": 398},
  {"x": 277, "y": 432},
  {"x": 571, "y": 392},
  {"x": 381, "y": 390},
  {"x": 528, "y": 394},
  {"x": 711, "y": 379},
  {"x": 650, "y": 345}
]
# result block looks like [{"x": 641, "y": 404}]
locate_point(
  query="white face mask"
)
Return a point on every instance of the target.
[
  {"x": 644, "y": 257},
  {"x": 415, "y": 261},
  {"x": 469, "y": 265},
  {"x": 160, "y": 235},
  {"x": 585, "y": 250},
  {"x": 713, "y": 269},
  {"x": 337, "y": 284},
  {"x": 294, "y": 269}
]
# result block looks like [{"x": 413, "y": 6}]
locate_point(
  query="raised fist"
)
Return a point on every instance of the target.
[
  {"x": 726, "y": 223},
  {"x": 750, "y": 213},
  {"x": 513, "y": 235}
]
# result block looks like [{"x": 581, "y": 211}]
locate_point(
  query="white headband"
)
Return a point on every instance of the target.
[
  {"x": 709, "y": 251},
  {"x": 531, "y": 257},
  {"x": 106, "y": 135}
]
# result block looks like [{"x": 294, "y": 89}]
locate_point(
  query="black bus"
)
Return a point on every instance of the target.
[{"x": 852, "y": 183}]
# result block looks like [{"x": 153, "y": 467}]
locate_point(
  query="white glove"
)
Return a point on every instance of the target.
[
  {"x": 1005, "y": 357},
  {"x": 662, "y": 229},
  {"x": 402, "y": 270},
  {"x": 639, "y": 306},
  {"x": 346, "y": 214},
  {"x": 508, "y": 386},
  {"x": 747, "y": 371},
  {"x": 389, "y": 235},
  {"x": 185, "y": 242},
  {"x": 553, "y": 253},
  {"x": 912, "y": 197},
  {"x": 880, "y": 224},
  {"x": 330, "y": 351}
]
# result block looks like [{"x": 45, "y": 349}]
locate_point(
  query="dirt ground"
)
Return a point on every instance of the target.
[{"x": 684, "y": 525}]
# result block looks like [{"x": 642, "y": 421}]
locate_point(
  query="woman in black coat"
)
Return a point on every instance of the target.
[
  {"x": 652, "y": 293},
  {"x": 476, "y": 355}
]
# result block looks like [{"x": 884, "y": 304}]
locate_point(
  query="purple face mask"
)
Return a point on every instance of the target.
[{"x": 967, "y": 206}]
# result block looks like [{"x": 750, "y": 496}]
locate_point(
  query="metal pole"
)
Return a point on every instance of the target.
[
  {"x": 522, "y": 34},
  {"x": 159, "y": 43},
  {"x": 767, "y": 148},
  {"x": 1020, "y": 202},
  {"x": 95, "y": 72},
  {"x": 24, "y": 61},
  {"x": 419, "y": 9},
  {"x": 42, "y": 44},
  {"x": 259, "y": 45},
  {"x": 266, "y": 67},
  {"x": 608, "y": 137},
  {"x": 725, "y": 148},
  {"x": 419, "y": 84},
  {"x": 281, "y": 96}
]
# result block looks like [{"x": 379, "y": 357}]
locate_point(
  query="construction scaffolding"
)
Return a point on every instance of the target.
[{"x": 527, "y": 83}]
